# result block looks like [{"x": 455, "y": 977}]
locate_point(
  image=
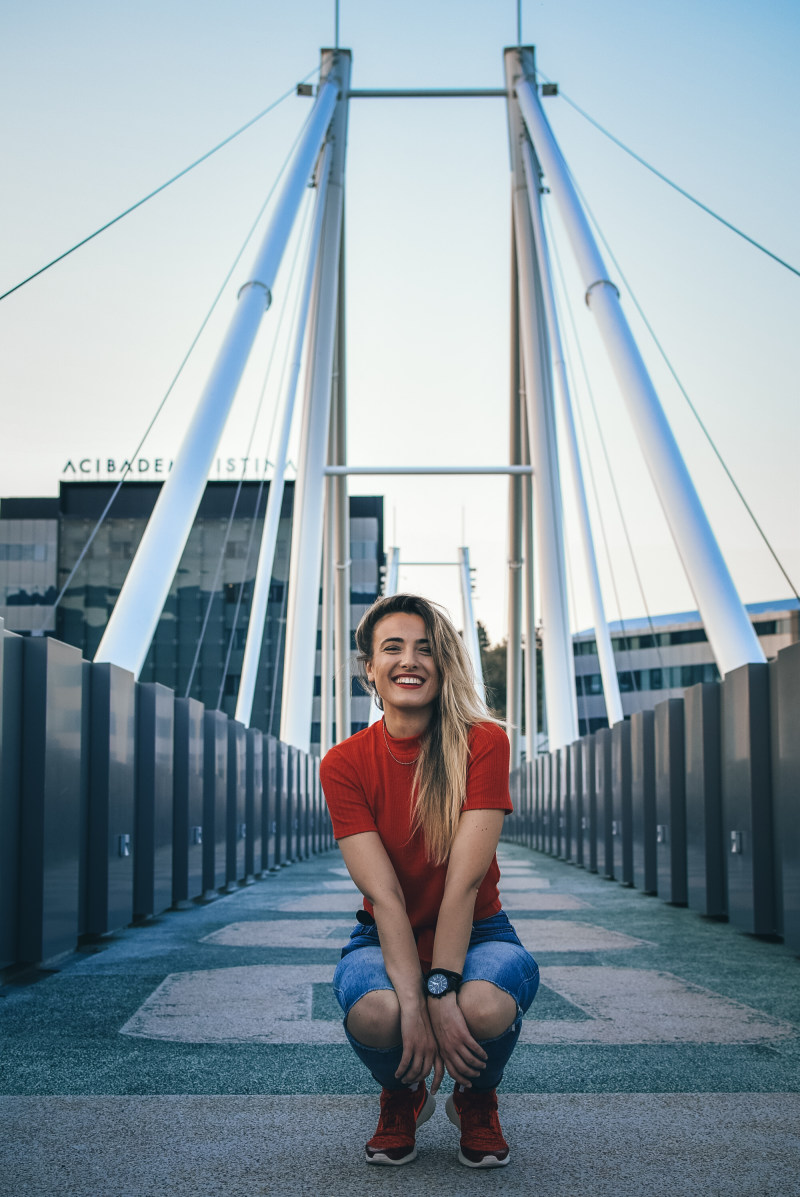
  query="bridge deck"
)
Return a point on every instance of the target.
[{"x": 202, "y": 1053}]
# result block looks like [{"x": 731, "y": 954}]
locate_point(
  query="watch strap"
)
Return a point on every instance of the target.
[{"x": 453, "y": 981}]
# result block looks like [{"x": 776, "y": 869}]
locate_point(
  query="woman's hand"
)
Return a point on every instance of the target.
[
  {"x": 463, "y": 1056},
  {"x": 420, "y": 1053}
]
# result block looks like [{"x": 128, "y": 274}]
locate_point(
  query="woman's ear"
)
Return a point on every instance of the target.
[{"x": 369, "y": 671}]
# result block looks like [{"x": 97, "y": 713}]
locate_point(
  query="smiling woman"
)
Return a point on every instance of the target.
[{"x": 433, "y": 975}]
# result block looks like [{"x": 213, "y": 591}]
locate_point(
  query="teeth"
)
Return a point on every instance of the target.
[{"x": 408, "y": 681}]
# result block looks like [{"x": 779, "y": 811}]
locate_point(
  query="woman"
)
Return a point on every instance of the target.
[{"x": 433, "y": 976}]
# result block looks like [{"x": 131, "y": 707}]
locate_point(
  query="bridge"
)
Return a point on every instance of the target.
[{"x": 145, "y": 838}]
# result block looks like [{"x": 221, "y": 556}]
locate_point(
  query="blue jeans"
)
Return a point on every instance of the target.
[{"x": 494, "y": 954}]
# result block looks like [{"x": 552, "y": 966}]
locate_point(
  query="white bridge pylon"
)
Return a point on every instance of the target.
[
  {"x": 320, "y": 533},
  {"x": 470, "y": 632}
]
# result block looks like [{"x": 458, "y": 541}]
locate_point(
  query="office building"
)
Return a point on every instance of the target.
[
  {"x": 659, "y": 657},
  {"x": 199, "y": 643}
]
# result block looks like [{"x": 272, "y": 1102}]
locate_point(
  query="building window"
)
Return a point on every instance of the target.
[{"x": 689, "y": 636}]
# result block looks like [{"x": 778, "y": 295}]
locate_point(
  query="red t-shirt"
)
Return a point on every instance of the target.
[{"x": 367, "y": 790}]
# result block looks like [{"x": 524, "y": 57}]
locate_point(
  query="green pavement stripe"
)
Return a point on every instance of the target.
[{"x": 136, "y": 1067}]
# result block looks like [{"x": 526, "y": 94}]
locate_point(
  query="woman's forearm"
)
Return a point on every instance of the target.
[
  {"x": 399, "y": 951},
  {"x": 453, "y": 927}
]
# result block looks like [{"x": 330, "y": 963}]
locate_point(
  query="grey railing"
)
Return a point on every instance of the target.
[
  {"x": 696, "y": 801},
  {"x": 119, "y": 800}
]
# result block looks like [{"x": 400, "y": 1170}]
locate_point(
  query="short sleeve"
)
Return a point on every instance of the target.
[
  {"x": 344, "y": 794},
  {"x": 487, "y": 771}
]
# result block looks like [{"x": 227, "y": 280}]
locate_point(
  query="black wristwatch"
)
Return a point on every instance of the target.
[{"x": 440, "y": 981}]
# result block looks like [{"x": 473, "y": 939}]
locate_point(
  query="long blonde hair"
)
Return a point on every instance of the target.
[{"x": 440, "y": 777}]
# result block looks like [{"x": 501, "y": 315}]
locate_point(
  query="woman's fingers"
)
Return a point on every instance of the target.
[
  {"x": 438, "y": 1073},
  {"x": 406, "y": 1061},
  {"x": 473, "y": 1046}
]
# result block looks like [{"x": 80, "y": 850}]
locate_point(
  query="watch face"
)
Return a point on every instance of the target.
[{"x": 438, "y": 984}]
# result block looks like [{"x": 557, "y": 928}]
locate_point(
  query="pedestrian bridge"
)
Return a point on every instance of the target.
[{"x": 171, "y": 901}]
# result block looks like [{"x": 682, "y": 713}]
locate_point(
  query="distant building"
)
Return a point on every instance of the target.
[
  {"x": 658, "y": 658},
  {"x": 209, "y": 600}
]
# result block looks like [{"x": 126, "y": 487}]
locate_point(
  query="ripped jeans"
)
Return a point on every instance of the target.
[{"x": 494, "y": 954}]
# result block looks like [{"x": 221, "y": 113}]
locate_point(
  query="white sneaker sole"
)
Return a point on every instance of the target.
[
  {"x": 488, "y": 1161},
  {"x": 424, "y": 1115}
]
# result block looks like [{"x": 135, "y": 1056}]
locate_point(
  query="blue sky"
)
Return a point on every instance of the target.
[{"x": 103, "y": 101}]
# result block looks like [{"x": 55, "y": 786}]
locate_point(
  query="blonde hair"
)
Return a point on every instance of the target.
[{"x": 440, "y": 777}]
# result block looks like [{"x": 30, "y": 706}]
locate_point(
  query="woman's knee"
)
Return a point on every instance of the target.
[
  {"x": 487, "y": 1009},
  {"x": 374, "y": 1019}
]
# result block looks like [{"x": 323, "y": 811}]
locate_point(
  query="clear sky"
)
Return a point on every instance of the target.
[{"x": 103, "y": 101}]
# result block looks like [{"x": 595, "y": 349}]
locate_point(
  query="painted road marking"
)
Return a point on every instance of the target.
[
  {"x": 631, "y": 1005},
  {"x": 515, "y": 882},
  {"x": 557, "y": 935},
  {"x": 538, "y": 935},
  {"x": 283, "y": 933},
  {"x": 273, "y": 1004},
  {"x": 545, "y": 902},
  {"x": 326, "y": 903},
  {"x": 329, "y": 903},
  {"x": 247, "y": 1004}
]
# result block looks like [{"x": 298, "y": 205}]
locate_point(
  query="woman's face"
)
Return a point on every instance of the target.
[{"x": 402, "y": 668}]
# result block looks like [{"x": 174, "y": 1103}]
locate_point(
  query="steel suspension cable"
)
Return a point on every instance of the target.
[
  {"x": 171, "y": 386},
  {"x": 157, "y": 191},
  {"x": 237, "y": 495},
  {"x": 670, "y": 183},
  {"x": 607, "y": 457},
  {"x": 687, "y": 397}
]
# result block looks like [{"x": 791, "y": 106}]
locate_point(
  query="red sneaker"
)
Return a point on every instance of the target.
[
  {"x": 402, "y": 1111},
  {"x": 482, "y": 1142}
]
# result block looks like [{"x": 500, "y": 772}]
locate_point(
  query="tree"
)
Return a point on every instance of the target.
[{"x": 493, "y": 663}]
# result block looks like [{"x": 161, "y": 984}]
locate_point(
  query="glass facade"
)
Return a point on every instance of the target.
[
  {"x": 198, "y": 646},
  {"x": 660, "y": 658}
]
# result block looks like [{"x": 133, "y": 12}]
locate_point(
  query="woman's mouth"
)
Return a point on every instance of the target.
[{"x": 408, "y": 681}]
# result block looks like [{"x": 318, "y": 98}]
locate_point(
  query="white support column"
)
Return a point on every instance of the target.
[
  {"x": 326, "y": 657},
  {"x": 389, "y": 587},
  {"x": 515, "y": 560},
  {"x": 341, "y": 522},
  {"x": 529, "y": 660},
  {"x": 392, "y": 571},
  {"x": 559, "y": 666},
  {"x": 304, "y": 571},
  {"x": 272, "y": 516},
  {"x": 730, "y": 633},
  {"x": 470, "y": 626},
  {"x": 608, "y": 669},
  {"x": 136, "y": 613}
]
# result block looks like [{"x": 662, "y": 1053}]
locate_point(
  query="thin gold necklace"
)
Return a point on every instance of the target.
[{"x": 391, "y": 754}]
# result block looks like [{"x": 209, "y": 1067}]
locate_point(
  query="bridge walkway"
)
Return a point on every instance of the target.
[{"x": 202, "y": 1053}]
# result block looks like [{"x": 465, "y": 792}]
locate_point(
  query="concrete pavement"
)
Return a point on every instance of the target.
[{"x": 202, "y": 1054}]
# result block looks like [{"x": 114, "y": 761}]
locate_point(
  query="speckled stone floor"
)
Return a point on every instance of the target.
[{"x": 202, "y": 1053}]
